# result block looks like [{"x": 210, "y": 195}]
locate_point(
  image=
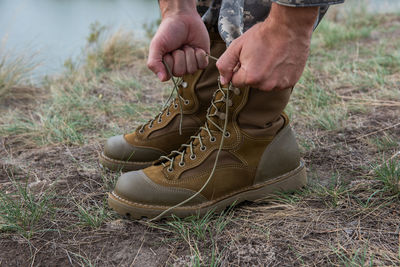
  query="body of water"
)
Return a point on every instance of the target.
[{"x": 57, "y": 29}]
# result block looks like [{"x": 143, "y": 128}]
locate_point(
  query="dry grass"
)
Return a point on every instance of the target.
[
  {"x": 15, "y": 70},
  {"x": 345, "y": 111}
]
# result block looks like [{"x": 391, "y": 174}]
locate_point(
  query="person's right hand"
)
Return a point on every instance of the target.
[{"x": 182, "y": 41}]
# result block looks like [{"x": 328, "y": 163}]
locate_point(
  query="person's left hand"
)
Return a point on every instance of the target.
[{"x": 270, "y": 55}]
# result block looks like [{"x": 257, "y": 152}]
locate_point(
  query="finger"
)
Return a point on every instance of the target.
[
  {"x": 170, "y": 63},
  {"x": 228, "y": 61},
  {"x": 237, "y": 67},
  {"x": 154, "y": 61},
  {"x": 191, "y": 62},
  {"x": 179, "y": 68},
  {"x": 239, "y": 78},
  {"x": 201, "y": 58}
]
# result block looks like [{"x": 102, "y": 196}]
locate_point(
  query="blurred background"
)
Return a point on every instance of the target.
[{"x": 56, "y": 30}]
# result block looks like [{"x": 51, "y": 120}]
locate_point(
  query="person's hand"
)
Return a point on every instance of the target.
[
  {"x": 182, "y": 41},
  {"x": 272, "y": 54}
]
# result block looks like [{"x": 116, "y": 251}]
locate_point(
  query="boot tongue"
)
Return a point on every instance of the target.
[{"x": 218, "y": 108}]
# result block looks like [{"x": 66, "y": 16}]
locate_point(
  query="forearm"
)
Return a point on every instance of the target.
[
  {"x": 174, "y": 7},
  {"x": 298, "y": 21},
  {"x": 307, "y": 3}
]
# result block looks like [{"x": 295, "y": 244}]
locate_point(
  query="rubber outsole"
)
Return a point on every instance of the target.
[
  {"x": 119, "y": 165},
  {"x": 288, "y": 182}
]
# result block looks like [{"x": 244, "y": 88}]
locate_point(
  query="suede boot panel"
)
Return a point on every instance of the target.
[
  {"x": 231, "y": 174},
  {"x": 240, "y": 157},
  {"x": 207, "y": 83},
  {"x": 261, "y": 115}
]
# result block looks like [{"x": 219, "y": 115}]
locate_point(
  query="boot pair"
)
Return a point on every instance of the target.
[{"x": 194, "y": 157}]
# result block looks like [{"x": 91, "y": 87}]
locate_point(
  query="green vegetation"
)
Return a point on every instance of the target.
[
  {"x": 22, "y": 211},
  {"x": 200, "y": 235},
  {"x": 389, "y": 174}
]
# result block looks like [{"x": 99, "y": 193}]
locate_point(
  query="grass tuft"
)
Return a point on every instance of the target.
[
  {"x": 93, "y": 215},
  {"x": 21, "y": 211},
  {"x": 111, "y": 51},
  {"x": 15, "y": 71},
  {"x": 389, "y": 174}
]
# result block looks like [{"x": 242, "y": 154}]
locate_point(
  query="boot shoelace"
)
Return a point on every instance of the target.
[
  {"x": 222, "y": 116},
  {"x": 167, "y": 107},
  {"x": 225, "y": 134},
  {"x": 168, "y": 104}
]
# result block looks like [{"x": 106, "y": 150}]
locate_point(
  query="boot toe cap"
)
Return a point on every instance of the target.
[
  {"x": 118, "y": 148},
  {"x": 136, "y": 187}
]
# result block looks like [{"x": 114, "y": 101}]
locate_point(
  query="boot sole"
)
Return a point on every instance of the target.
[
  {"x": 119, "y": 165},
  {"x": 288, "y": 182}
]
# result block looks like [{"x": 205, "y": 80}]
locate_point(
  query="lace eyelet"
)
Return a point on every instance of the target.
[
  {"x": 227, "y": 134},
  {"x": 193, "y": 157},
  {"x": 169, "y": 170},
  {"x": 175, "y": 106},
  {"x": 181, "y": 164},
  {"x": 141, "y": 131},
  {"x": 159, "y": 121},
  {"x": 168, "y": 113},
  {"x": 203, "y": 148},
  {"x": 187, "y": 102},
  {"x": 213, "y": 139},
  {"x": 150, "y": 126}
]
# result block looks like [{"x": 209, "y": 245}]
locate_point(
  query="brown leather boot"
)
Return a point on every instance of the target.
[
  {"x": 257, "y": 157},
  {"x": 160, "y": 135}
]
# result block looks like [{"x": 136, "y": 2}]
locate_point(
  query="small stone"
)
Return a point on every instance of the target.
[
  {"x": 58, "y": 182},
  {"x": 37, "y": 186},
  {"x": 116, "y": 225}
]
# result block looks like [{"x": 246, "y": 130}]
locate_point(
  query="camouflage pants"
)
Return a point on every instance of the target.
[{"x": 231, "y": 18}]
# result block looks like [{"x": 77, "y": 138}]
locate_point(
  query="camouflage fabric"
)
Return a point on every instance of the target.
[{"x": 231, "y": 18}]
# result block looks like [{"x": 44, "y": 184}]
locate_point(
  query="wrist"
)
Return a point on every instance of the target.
[
  {"x": 297, "y": 20},
  {"x": 177, "y": 7}
]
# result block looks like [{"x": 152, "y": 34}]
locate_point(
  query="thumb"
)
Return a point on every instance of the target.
[
  {"x": 154, "y": 61},
  {"x": 228, "y": 61}
]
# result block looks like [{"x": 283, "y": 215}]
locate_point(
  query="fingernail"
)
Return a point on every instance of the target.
[{"x": 160, "y": 76}]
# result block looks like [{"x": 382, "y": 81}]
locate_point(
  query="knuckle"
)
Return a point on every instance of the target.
[
  {"x": 221, "y": 66},
  {"x": 188, "y": 49},
  {"x": 178, "y": 73},
  {"x": 269, "y": 86},
  {"x": 151, "y": 64},
  {"x": 253, "y": 78},
  {"x": 234, "y": 43},
  {"x": 192, "y": 70}
]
